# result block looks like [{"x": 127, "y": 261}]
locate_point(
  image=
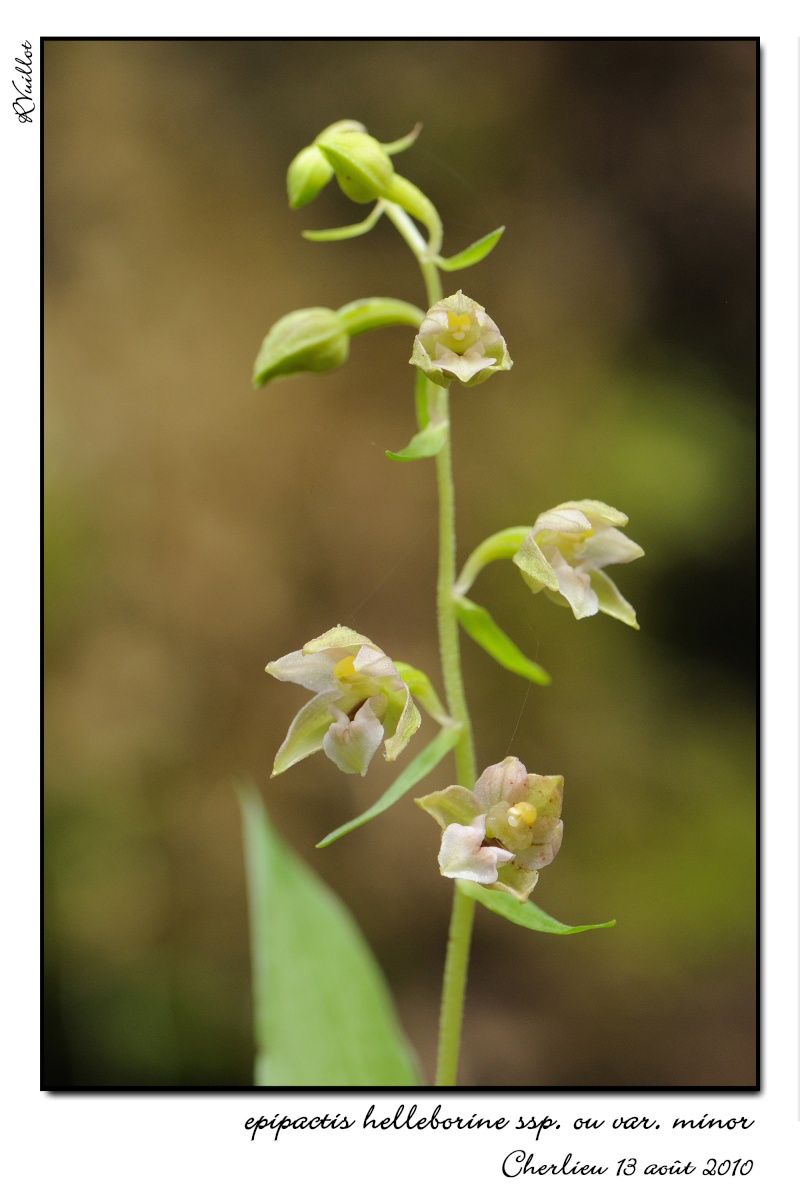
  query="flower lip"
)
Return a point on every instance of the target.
[{"x": 463, "y": 853}]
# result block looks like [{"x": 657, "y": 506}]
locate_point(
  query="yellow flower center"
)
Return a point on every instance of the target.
[
  {"x": 522, "y": 813},
  {"x": 345, "y": 670},
  {"x": 458, "y": 324}
]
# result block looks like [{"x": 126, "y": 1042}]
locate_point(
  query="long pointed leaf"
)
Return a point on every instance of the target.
[
  {"x": 526, "y": 914},
  {"x": 479, "y": 624},
  {"x": 411, "y": 775},
  {"x": 474, "y": 253},
  {"x": 323, "y": 1014}
]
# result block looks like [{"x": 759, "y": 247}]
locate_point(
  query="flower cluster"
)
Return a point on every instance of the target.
[
  {"x": 501, "y": 833},
  {"x": 360, "y": 700},
  {"x": 566, "y": 552},
  {"x": 459, "y": 341}
]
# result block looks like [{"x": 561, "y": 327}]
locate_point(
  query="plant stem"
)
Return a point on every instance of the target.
[
  {"x": 449, "y": 638},
  {"x": 460, "y": 934},
  {"x": 454, "y": 987}
]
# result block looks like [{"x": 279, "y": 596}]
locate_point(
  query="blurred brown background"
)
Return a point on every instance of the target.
[{"x": 197, "y": 529}]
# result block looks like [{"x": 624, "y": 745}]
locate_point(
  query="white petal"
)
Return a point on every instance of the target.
[
  {"x": 314, "y": 672},
  {"x": 351, "y": 744},
  {"x": 372, "y": 662},
  {"x": 609, "y": 546},
  {"x": 567, "y": 522},
  {"x": 462, "y": 855},
  {"x": 462, "y": 366},
  {"x": 501, "y": 783},
  {"x": 575, "y": 587}
]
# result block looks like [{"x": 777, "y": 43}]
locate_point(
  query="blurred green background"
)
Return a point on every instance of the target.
[{"x": 196, "y": 529}]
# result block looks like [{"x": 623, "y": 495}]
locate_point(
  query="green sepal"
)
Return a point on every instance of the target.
[
  {"x": 456, "y": 804},
  {"x": 400, "y": 144},
  {"x": 323, "y": 1014},
  {"x": 425, "y": 443},
  {"x": 340, "y": 233},
  {"x": 611, "y": 600},
  {"x": 480, "y": 626},
  {"x": 362, "y": 167},
  {"x": 525, "y": 914},
  {"x": 537, "y": 571},
  {"x": 473, "y": 254},
  {"x": 306, "y": 733},
  {"x": 413, "y": 773},
  {"x": 420, "y": 687}
]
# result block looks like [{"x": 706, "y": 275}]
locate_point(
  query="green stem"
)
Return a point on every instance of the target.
[
  {"x": 460, "y": 935},
  {"x": 449, "y": 633},
  {"x": 454, "y": 988},
  {"x": 371, "y": 313}
]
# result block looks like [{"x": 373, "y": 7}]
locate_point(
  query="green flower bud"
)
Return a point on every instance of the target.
[
  {"x": 309, "y": 172},
  {"x": 362, "y": 166},
  {"x": 307, "y": 340},
  {"x": 459, "y": 341}
]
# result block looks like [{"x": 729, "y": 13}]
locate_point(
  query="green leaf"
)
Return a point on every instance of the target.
[
  {"x": 425, "y": 443},
  {"x": 413, "y": 773},
  {"x": 323, "y": 1013},
  {"x": 340, "y": 233},
  {"x": 524, "y": 913},
  {"x": 473, "y": 254},
  {"x": 479, "y": 624}
]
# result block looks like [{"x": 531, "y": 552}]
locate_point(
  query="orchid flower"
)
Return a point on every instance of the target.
[
  {"x": 501, "y": 833},
  {"x": 459, "y": 341},
  {"x": 566, "y": 551},
  {"x": 360, "y": 701}
]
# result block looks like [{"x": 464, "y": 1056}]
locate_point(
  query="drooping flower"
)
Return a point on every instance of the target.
[
  {"x": 501, "y": 833},
  {"x": 459, "y": 341},
  {"x": 565, "y": 554},
  {"x": 360, "y": 701}
]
